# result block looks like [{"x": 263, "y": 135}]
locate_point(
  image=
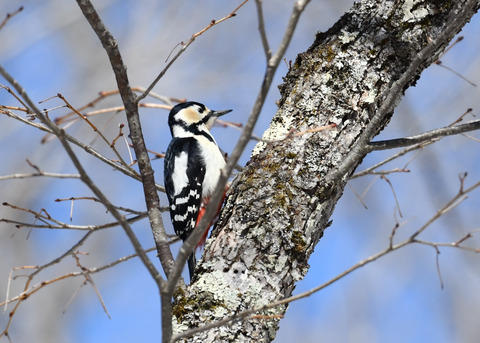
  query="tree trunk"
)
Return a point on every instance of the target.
[{"x": 352, "y": 76}]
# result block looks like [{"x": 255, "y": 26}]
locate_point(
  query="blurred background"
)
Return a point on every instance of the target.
[{"x": 50, "y": 48}]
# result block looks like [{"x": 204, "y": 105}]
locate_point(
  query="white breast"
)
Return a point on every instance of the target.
[{"x": 214, "y": 161}]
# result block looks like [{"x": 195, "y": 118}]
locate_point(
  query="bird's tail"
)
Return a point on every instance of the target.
[{"x": 192, "y": 261}]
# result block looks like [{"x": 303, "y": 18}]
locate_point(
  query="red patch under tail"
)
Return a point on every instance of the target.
[{"x": 201, "y": 213}]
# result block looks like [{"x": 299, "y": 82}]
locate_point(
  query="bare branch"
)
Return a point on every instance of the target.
[
  {"x": 410, "y": 148},
  {"x": 424, "y": 137},
  {"x": 121, "y": 220},
  {"x": 95, "y": 129},
  {"x": 65, "y": 226},
  {"x": 127, "y": 171},
  {"x": 130, "y": 101},
  {"x": 44, "y": 174},
  {"x": 261, "y": 28},
  {"x": 456, "y": 244},
  {"x": 391, "y": 171},
  {"x": 84, "y": 177},
  {"x": 35, "y": 288},
  {"x": 370, "y": 170},
  {"x": 457, "y": 199},
  {"x": 105, "y": 94},
  {"x": 173, "y": 269},
  {"x": 24, "y": 296}
]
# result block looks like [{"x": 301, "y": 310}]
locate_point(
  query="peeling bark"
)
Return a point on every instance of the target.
[{"x": 278, "y": 207}]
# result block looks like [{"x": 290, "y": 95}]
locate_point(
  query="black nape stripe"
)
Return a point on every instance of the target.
[
  {"x": 205, "y": 119},
  {"x": 193, "y": 128}
]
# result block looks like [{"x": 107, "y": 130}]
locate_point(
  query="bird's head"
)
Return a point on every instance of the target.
[{"x": 192, "y": 116}]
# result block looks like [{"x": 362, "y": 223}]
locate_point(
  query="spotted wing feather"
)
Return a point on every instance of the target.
[{"x": 184, "y": 184}]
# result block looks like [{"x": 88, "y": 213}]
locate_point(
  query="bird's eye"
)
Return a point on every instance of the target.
[{"x": 200, "y": 110}]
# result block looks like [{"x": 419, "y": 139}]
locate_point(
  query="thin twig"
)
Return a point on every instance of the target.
[
  {"x": 383, "y": 177},
  {"x": 369, "y": 170},
  {"x": 456, "y": 244},
  {"x": 84, "y": 177},
  {"x": 15, "y": 96},
  {"x": 456, "y": 200},
  {"x": 185, "y": 46},
  {"x": 261, "y": 29},
  {"x": 440, "y": 64},
  {"x": 44, "y": 174},
  {"x": 120, "y": 208},
  {"x": 120, "y": 134},
  {"x": 168, "y": 101},
  {"x": 360, "y": 198},
  {"x": 23, "y": 296},
  {"x": 94, "y": 128},
  {"x": 472, "y": 138},
  {"x": 64, "y": 226},
  {"x": 10, "y": 16},
  {"x": 127, "y": 171},
  {"x": 30, "y": 291},
  {"x": 88, "y": 278}
]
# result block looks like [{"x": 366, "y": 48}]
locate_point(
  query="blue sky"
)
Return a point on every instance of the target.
[{"x": 49, "y": 48}]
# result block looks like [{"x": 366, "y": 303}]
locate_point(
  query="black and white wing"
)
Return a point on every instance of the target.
[{"x": 184, "y": 173}]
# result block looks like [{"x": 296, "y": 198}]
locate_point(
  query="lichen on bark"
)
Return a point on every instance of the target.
[{"x": 280, "y": 204}]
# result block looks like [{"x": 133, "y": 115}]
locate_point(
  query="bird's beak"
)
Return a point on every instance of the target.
[{"x": 220, "y": 113}]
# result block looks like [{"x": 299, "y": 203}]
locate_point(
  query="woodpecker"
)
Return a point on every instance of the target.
[{"x": 192, "y": 167}]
